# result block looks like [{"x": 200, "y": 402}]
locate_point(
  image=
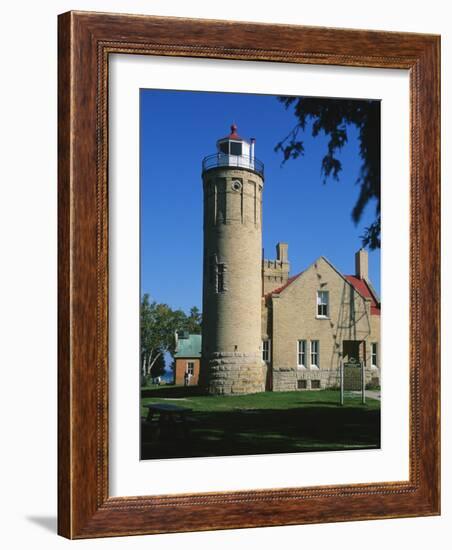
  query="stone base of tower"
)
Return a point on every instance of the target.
[{"x": 235, "y": 373}]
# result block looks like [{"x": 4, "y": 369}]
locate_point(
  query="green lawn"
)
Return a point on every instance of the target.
[{"x": 271, "y": 422}]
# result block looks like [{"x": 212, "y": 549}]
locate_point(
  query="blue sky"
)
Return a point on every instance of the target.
[{"x": 178, "y": 129}]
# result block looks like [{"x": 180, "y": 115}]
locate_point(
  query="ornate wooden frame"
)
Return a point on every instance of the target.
[{"x": 85, "y": 42}]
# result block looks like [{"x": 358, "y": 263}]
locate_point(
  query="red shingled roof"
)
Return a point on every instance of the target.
[{"x": 363, "y": 288}]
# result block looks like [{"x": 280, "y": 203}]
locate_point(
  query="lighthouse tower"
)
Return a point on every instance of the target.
[{"x": 233, "y": 181}]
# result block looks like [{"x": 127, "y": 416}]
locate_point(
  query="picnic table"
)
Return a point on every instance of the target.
[{"x": 169, "y": 418}]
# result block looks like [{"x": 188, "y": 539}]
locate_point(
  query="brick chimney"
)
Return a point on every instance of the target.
[
  {"x": 282, "y": 252},
  {"x": 362, "y": 264}
]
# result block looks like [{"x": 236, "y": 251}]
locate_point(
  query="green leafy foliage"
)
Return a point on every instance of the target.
[
  {"x": 158, "y": 324},
  {"x": 332, "y": 117},
  {"x": 193, "y": 321}
]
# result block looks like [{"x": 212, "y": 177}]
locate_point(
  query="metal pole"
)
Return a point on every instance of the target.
[
  {"x": 341, "y": 371},
  {"x": 363, "y": 384}
]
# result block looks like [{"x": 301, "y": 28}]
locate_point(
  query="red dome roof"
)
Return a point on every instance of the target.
[{"x": 233, "y": 134}]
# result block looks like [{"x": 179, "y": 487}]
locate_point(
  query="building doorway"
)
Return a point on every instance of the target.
[{"x": 353, "y": 351}]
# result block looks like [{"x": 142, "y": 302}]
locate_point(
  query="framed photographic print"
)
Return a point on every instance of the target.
[{"x": 248, "y": 275}]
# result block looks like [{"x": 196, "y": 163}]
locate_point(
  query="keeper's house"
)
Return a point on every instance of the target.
[{"x": 314, "y": 320}]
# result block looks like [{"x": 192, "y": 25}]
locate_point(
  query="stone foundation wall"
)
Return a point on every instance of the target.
[
  {"x": 235, "y": 373},
  {"x": 308, "y": 379}
]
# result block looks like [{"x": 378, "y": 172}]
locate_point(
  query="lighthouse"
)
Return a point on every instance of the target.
[{"x": 233, "y": 180}]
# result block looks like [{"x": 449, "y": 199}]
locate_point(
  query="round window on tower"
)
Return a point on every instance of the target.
[{"x": 236, "y": 185}]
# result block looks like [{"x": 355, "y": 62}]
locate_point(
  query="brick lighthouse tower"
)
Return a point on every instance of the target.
[{"x": 232, "y": 274}]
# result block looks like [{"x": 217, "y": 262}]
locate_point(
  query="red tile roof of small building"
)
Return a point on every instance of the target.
[{"x": 363, "y": 288}]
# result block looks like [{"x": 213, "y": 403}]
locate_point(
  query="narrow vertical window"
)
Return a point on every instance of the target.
[
  {"x": 220, "y": 278},
  {"x": 374, "y": 354},
  {"x": 266, "y": 347},
  {"x": 221, "y": 212},
  {"x": 315, "y": 353},
  {"x": 323, "y": 303},
  {"x": 301, "y": 360}
]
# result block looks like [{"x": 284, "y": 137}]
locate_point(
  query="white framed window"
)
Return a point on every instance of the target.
[
  {"x": 190, "y": 368},
  {"x": 374, "y": 354},
  {"x": 315, "y": 354},
  {"x": 323, "y": 306},
  {"x": 266, "y": 350},
  {"x": 301, "y": 353}
]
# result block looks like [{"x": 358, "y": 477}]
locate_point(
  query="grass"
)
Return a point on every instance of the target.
[{"x": 271, "y": 422}]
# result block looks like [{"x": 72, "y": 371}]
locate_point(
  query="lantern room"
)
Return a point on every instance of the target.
[
  {"x": 234, "y": 145},
  {"x": 234, "y": 151}
]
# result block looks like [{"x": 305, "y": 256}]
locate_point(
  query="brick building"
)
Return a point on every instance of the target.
[
  {"x": 316, "y": 319},
  {"x": 187, "y": 358}
]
